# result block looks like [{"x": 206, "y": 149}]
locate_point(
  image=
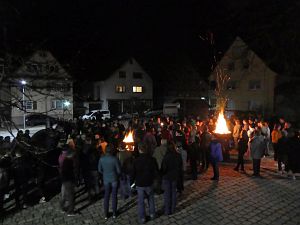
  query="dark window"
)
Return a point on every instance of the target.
[
  {"x": 246, "y": 64},
  {"x": 122, "y": 74},
  {"x": 137, "y": 75},
  {"x": 230, "y": 66},
  {"x": 213, "y": 85},
  {"x": 213, "y": 103},
  {"x": 43, "y": 54},
  {"x": 254, "y": 85},
  {"x": 231, "y": 85}
]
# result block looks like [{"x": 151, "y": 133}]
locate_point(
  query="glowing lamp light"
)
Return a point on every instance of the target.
[
  {"x": 67, "y": 103},
  {"x": 23, "y": 82}
]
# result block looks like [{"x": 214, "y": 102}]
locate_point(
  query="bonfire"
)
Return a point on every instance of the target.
[{"x": 128, "y": 140}]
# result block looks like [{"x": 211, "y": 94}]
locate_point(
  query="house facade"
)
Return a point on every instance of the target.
[
  {"x": 251, "y": 84},
  {"x": 127, "y": 89},
  {"x": 41, "y": 85}
]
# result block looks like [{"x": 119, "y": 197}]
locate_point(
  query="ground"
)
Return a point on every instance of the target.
[{"x": 236, "y": 199}]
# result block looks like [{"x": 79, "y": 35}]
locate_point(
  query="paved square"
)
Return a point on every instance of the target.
[{"x": 236, "y": 199}]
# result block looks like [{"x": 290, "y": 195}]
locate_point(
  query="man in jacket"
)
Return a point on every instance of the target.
[
  {"x": 144, "y": 172},
  {"x": 109, "y": 167},
  {"x": 171, "y": 170},
  {"x": 257, "y": 151}
]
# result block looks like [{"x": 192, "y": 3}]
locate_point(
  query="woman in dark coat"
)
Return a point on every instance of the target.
[
  {"x": 294, "y": 154},
  {"x": 242, "y": 147}
]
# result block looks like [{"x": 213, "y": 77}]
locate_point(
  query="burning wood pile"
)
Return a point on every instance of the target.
[
  {"x": 128, "y": 140},
  {"x": 221, "y": 125}
]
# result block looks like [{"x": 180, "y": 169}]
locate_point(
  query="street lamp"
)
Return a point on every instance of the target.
[
  {"x": 66, "y": 105},
  {"x": 23, "y": 82}
]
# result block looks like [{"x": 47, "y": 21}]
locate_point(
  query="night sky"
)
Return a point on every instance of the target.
[{"x": 93, "y": 37}]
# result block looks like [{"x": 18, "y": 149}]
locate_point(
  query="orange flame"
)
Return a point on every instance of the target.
[
  {"x": 129, "y": 137},
  {"x": 129, "y": 140},
  {"x": 221, "y": 126}
]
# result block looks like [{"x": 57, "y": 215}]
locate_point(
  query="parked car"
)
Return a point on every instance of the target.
[
  {"x": 39, "y": 119},
  {"x": 97, "y": 115},
  {"x": 151, "y": 113}
]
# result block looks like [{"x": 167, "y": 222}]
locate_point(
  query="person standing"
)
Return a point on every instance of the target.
[
  {"x": 257, "y": 151},
  {"x": 171, "y": 170},
  {"x": 242, "y": 147},
  {"x": 276, "y": 135},
  {"x": 144, "y": 173},
  {"x": 20, "y": 171},
  {"x": 215, "y": 157},
  {"x": 109, "y": 167},
  {"x": 236, "y": 133},
  {"x": 66, "y": 162}
]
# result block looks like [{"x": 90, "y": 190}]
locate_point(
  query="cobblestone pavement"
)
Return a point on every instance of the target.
[{"x": 236, "y": 199}]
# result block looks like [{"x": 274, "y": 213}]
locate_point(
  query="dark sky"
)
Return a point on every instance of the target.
[{"x": 93, "y": 36}]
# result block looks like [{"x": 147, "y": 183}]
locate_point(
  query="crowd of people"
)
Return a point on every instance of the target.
[{"x": 164, "y": 150}]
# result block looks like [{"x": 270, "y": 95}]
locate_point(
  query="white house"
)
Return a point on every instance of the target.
[
  {"x": 129, "y": 88},
  {"x": 252, "y": 82},
  {"x": 41, "y": 85}
]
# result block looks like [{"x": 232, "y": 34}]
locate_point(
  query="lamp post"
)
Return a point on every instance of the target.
[{"x": 23, "y": 82}]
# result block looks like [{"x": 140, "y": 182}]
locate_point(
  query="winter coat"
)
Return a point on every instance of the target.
[
  {"x": 294, "y": 154},
  {"x": 159, "y": 154},
  {"x": 109, "y": 167},
  {"x": 150, "y": 142},
  {"x": 171, "y": 167},
  {"x": 243, "y": 141},
  {"x": 67, "y": 170},
  {"x": 216, "y": 151},
  {"x": 257, "y": 147},
  {"x": 236, "y": 131},
  {"x": 144, "y": 170}
]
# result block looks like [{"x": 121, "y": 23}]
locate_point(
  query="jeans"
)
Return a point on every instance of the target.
[
  {"x": 93, "y": 183},
  {"x": 256, "y": 167},
  {"x": 125, "y": 186},
  {"x": 145, "y": 192},
  {"x": 169, "y": 188},
  {"x": 215, "y": 166},
  {"x": 110, "y": 188},
  {"x": 67, "y": 202},
  {"x": 240, "y": 160}
]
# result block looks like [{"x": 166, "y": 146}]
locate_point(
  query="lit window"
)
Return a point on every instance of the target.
[
  {"x": 30, "y": 105},
  {"x": 57, "y": 104},
  {"x": 254, "y": 85},
  {"x": 120, "y": 88},
  {"x": 137, "y": 89}
]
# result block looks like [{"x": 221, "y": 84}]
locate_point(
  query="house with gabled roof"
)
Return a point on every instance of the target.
[
  {"x": 127, "y": 89},
  {"x": 41, "y": 85},
  {"x": 251, "y": 84}
]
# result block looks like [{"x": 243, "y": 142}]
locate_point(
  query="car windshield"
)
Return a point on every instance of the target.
[{"x": 90, "y": 113}]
